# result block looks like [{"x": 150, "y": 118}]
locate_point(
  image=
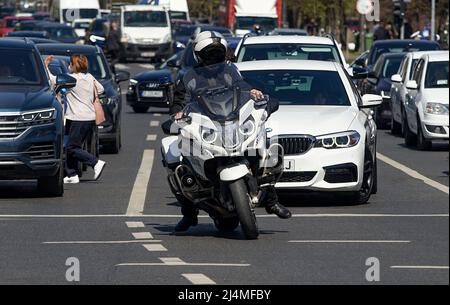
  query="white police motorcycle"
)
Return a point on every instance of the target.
[{"x": 218, "y": 156}]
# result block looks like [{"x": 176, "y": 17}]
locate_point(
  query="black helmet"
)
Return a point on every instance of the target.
[{"x": 210, "y": 48}]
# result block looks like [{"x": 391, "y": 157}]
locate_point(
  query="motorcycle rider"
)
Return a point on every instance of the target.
[{"x": 210, "y": 49}]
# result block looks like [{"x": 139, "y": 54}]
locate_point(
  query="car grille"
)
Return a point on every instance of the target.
[
  {"x": 297, "y": 176},
  {"x": 41, "y": 151},
  {"x": 11, "y": 127},
  {"x": 148, "y": 86},
  {"x": 295, "y": 145}
]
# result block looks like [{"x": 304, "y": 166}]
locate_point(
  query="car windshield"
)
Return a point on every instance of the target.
[
  {"x": 184, "y": 31},
  {"x": 97, "y": 64},
  {"x": 295, "y": 87},
  {"x": 400, "y": 48},
  {"x": 292, "y": 51},
  {"x": 61, "y": 33},
  {"x": 390, "y": 67},
  {"x": 437, "y": 75},
  {"x": 81, "y": 25},
  {"x": 84, "y": 13},
  {"x": 18, "y": 67},
  {"x": 155, "y": 19},
  {"x": 178, "y": 15},
  {"x": 248, "y": 22},
  {"x": 188, "y": 58},
  {"x": 10, "y": 23}
]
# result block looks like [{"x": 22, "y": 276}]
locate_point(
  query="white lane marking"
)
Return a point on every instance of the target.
[
  {"x": 198, "y": 279},
  {"x": 206, "y": 216},
  {"x": 98, "y": 242},
  {"x": 351, "y": 241},
  {"x": 151, "y": 137},
  {"x": 157, "y": 115},
  {"x": 122, "y": 67},
  {"x": 139, "y": 193},
  {"x": 142, "y": 235},
  {"x": 154, "y": 123},
  {"x": 147, "y": 66},
  {"x": 414, "y": 174},
  {"x": 155, "y": 248},
  {"x": 135, "y": 224},
  {"x": 175, "y": 261},
  {"x": 421, "y": 267}
]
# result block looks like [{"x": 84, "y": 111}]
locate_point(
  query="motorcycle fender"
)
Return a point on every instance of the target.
[
  {"x": 170, "y": 150},
  {"x": 233, "y": 173}
]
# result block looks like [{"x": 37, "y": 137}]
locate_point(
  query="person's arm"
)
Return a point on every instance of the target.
[
  {"x": 51, "y": 77},
  {"x": 99, "y": 87},
  {"x": 179, "y": 99}
]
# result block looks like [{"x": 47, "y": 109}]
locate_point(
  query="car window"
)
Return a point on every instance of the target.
[
  {"x": 418, "y": 71},
  {"x": 402, "y": 70},
  {"x": 145, "y": 19},
  {"x": 296, "y": 87},
  {"x": 413, "y": 66},
  {"x": 61, "y": 33},
  {"x": 253, "y": 52},
  {"x": 390, "y": 67},
  {"x": 18, "y": 67},
  {"x": 400, "y": 48},
  {"x": 437, "y": 75}
]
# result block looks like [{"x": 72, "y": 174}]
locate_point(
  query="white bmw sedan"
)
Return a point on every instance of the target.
[{"x": 325, "y": 127}]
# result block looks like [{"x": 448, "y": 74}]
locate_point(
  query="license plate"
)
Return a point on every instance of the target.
[
  {"x": 289, "y": 165},
  {"x": 153, "y": 93},
  {"x": 148, "y": 54}
]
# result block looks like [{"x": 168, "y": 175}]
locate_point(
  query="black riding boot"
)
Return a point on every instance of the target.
[
  {"x": 190, "y": 217},
  {"x": 273, "y": 206}
]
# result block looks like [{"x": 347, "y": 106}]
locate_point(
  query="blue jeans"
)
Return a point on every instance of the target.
[{"x": 78, "y": 132}]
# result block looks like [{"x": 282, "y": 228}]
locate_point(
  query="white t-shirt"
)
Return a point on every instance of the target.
[{"x": 80, "y": 99}]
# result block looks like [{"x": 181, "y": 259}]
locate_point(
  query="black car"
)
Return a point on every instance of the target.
[
  {"x": 110, "y": 131},
  {"x": 379, "y": 83},
  {"x": 155, "y": 88},
  {"x": 59, "y": 32},
  {"x": 31, "y": 118},
  {"x": 398, "y": 46},
  {"x": 29, "y": 34}
]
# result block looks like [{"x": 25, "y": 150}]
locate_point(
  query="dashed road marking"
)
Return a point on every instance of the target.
[
  {"x": 142, "y": 235},
  {"x": 139, "y": 193},
  {"x": 421, "y": 267},
  {"x": 98, "y": 242},
  {"x": 135, "y": 224},
  {"x": 175, "y": 261},
  {"x": 155, "y": 248},
  {"x": 151, "y": 137},
  {"x": 414, "y": 174},
  {"x": 154, "y": 123},
  {"x": 147, "y": 66},
  {"x": 157, "y": 115},
  {"x": 198, "y": 279},
  {"x": 337, "y": 215}
]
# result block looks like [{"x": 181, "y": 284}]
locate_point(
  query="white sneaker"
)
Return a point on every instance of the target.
[
  {"x": 72, "y": 180},
  {"x": 98, "y": 169}
]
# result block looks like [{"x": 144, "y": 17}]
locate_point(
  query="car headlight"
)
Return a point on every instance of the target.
[
  {"x": 339, "y": 140},
  {"x": 40, "y": 116},
  {"x": 248, "y": 128},
  {"x": 208, "y": 135},
  {"x": 132, "y": 85},
  {"x": 436, "y": 108},
  {"x": 181, "y": 45}
]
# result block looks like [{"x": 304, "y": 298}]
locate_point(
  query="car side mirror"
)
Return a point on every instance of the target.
[
  {"x": 412, "y": 85},
  {"x": 64, "y": 81},
  {"x": 371, "y": 101},
  {"x": 396, "y": 78},
  {"x": 360, "y": 73},
  {"x": 122, "y": 76}
]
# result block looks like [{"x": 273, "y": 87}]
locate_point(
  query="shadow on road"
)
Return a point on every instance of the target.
[{"x": 313, "y": 199}]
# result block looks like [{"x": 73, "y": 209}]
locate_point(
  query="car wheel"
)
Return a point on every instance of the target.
[
  {"x": 52, "y": 186},
  {"x": 114, "y": 146},
  {"x": 369, "y": 183},
  {"x": 422, "y": 142},
  {"x": 140, "y": 109},
  {"x": 410, "y": 138}
]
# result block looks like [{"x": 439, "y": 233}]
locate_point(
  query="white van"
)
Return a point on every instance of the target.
[
  {"x": 178, "y": 9},
  {"x": 146, "y": 32},
  {"x": 67, "y": 11}
]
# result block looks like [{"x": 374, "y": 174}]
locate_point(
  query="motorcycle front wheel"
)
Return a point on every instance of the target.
[{"x": 246, "y": 214}]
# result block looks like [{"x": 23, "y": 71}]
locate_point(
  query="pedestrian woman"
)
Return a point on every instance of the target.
[
  {"x": 114, "y": 45},
  {"x": 80, "y": 117}
]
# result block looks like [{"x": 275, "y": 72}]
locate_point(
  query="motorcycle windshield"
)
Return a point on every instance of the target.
[{"x": 217, "y": 91}]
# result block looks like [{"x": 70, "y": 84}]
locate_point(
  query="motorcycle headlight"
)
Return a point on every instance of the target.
[
  {"x": 339, "y": 140},
  {"x": 248, "y": 128},
  {"x": 209, "y": 136},
  {"x": 436, "y": 108},
  {"x": 40, "y": 116}
]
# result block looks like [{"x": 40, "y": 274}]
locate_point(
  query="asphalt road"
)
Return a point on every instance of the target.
[{"x": 405, "y": 226}]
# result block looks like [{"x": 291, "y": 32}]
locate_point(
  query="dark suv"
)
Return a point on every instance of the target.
[
  {"x": 109, "y": 131},
  {"x": 31, "y": 118}
]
